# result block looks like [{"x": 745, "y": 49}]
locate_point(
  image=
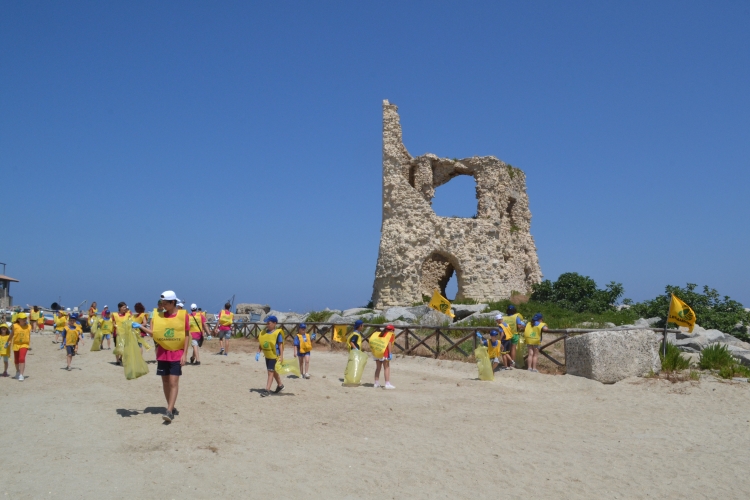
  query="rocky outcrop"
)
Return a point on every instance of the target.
[
  {"x": 492, "y": 254},
  {"x": 261, "y": 309},
  {"x": 611, "y": 356}
]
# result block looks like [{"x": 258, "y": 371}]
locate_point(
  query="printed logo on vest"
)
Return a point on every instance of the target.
[{"x": 169, "y": 333}]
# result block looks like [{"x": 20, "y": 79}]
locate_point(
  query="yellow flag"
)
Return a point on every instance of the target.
[
  {"x": 339, "y": 333},
  {"x": 440, "y": 303},
  {"x": 681, "y": 314}
]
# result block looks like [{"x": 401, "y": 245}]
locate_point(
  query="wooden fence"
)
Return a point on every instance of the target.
[{"x": 416, "y": 340}]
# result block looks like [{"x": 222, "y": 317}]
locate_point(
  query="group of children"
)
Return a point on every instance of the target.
[{"x": 503, "y": 342}]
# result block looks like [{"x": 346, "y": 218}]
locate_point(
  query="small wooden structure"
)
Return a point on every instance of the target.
[{"x": 6, "y": 301}]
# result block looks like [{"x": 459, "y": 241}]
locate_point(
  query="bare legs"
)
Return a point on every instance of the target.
[{"x": 171, "y": 385}]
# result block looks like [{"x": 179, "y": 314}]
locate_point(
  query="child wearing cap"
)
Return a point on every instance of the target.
[
  {"x": 533, "y": 337},
  {"x": 354, "y": 340},
  {"x": 494, "y": 348},
  {"x": 380, "y": 345},
  {"x": 72, "y": 334},
  {"x": 303, "y": 348},
  {"x": 514, "y": 320},
  {"x": 224, "y": 327},
  {"x": 271, "y": 343},
  {"x": 105, "y": 326},
  {"x": 4, "y": 347},
  {"x": 197, "y": 330},
  {"x": 20, "y": 337}
]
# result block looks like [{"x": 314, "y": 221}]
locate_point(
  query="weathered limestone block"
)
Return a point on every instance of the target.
[
  {"x": 611, "y": 356},
  {"x": 492, "y": 254},
  {"x": 253, "y": 309}
]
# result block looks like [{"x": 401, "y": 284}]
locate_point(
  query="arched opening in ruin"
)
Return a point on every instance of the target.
[
  {"x": 439, "y": 272},
  {"x": 456, "y": 198}
]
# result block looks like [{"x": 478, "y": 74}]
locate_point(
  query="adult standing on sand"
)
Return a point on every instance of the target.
[
  {"x": 34, "y": 318},
  {"x": 20, "y": 337},
  {"x": 224, "y": 326},
  {"x": 169, "y": 328},
  {"x": 197, "y": 331}
]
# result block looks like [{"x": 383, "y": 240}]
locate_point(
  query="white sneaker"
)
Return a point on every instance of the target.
[
  {"x": 376, "y": 385},
  {"x": 389, "y": 386},
  {"x": 20, "y": 378}
]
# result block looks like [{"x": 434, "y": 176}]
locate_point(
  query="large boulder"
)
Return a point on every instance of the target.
[
  {"x": 468, "y": 319},
  {"x": 611, "y": 356},
  {"x": 435, "y": 318},
  {"x": 253, "y": 309},
  {"x": 355, "y": 311},
  {"x": 394, "y": 313}
]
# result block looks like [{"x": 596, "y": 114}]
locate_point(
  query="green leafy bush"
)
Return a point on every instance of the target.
[
  {"x": 319, "y": 316},
  {"x": 715, "y": 357},
  {"x": 559, "y": 317},
  {"x": 712, "y": 310},
  {"x": 578, "y": 293},
  {"x": 673, "y": 360}
]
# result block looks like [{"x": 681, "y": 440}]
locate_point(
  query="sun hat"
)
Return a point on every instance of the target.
[
  {"x": 390, "y": 327},
  {"x": 499, "y": 316},
  {"x": 358, "y": 323},
  {"x": 21, "y": 315},
  {"x": 272, "y": 318},
  {"x": 169, "y": 295},
  {"x": 193, "y": 307},
  {"x": 181, "y": 305}
]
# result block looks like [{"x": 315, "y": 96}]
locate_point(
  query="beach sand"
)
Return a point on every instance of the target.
[{"x": 91, "y": 433}]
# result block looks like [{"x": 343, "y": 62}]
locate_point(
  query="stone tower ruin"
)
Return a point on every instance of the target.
[{"x": 492, "y": 254}]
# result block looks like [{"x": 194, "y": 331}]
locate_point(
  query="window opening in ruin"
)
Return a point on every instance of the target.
[
  {"x": 509, "y": 214},
  {"x": 451, "y": 289},
  {"x": 456, "y": 198},
  {"x": 412, "y": 174}
]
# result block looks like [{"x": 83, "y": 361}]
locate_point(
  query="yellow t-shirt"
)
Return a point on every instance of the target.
[
  {"x": 21, "y": 336},
  {"x": 60, "y": 322}
]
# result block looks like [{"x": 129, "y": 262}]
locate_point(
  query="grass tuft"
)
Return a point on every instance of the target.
[{"x": 673, "y": 360}]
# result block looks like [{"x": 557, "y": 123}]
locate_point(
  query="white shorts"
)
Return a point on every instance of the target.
[
  {"x": 385, "y": 359},
  {"x": 495, "y": 360},
  {"x": 194, "y": 343}
]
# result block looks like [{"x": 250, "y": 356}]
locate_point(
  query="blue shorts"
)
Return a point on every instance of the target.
[
  {"x": 271, "y": 364},
  {"x": 168, "y": 368},
  {"x": 71, "y": 350},
  {"x": 301, "y": 354},
  {"x": 107, "y": 336}
]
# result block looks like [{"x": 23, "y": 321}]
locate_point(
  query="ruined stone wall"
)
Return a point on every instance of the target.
[{"x": 492, "y": 254}]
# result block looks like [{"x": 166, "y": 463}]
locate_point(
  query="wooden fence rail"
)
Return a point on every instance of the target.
[{"x": 410, "y": 338}]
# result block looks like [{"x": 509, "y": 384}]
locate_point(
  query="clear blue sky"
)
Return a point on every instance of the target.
[{"x": 223, "y": 148}]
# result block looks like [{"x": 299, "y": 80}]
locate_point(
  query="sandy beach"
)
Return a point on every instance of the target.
[{"x": 90, "y": 433}]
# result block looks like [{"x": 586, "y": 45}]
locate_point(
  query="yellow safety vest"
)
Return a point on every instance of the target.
[
  {"x": 169, "y": 333},
  {"x": 351, "y": 336},
  {"x": 21, "y": 336},
  {"x": 268, "y": 343},
  {"x": 60, "y": 322},
  {"x": 305, "y": 343},
  {"x": 71, "y": 335},
  {"x": 196, "y": 322},
  {"x": 512, "y": 323},
  {"x": 34, "y": 315},
  {"x": 225, "y": 318},
  {"x": 533, "y": 334},
  {"x": 379, "y": 344},
  {"x": 4, "y": 351},
  {"x": 493, "y": 351},
  {"x": 119, "y": 319},
  {"x": 105, "y": 326}
]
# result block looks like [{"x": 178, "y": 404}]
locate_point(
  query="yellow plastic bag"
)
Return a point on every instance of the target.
[
  {"x": 355, "y": 366},
  {"x": 94, "y": 325},
  {"x": 484, "y": 364},
  {"x": 96, "y": 344},
  {"x": 119, "y": 342},
  {"x": 288, "y": 367},
  {"x": 132, "y": 360}
]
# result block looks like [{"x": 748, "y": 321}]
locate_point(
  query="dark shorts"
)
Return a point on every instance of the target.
[
  {"x": 71, "y": 350},
  {"x": 505, "y": 345},
  {"x": 271, "y": 364},
  {"x": 168, "y": 368},
  {"x": 301, "y": 354}
]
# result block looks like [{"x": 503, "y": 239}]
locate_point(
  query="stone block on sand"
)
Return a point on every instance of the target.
[{"x": 611, "y": 356}]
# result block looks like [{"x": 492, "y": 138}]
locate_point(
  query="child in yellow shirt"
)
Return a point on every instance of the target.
[
  {"x": 4, "y": 350},
  {"x": 72, "y": 335}
]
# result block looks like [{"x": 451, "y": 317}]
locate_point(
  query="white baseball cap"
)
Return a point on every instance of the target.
[
  {"x": 499, "y": 316},
  {"x": 169, "y": 295},
  {"x": 194, "y": 307},
  {"x": 180, "y": 305}
]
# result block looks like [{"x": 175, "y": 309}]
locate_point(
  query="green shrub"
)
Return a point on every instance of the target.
[
  {"x": 319, "y": 316},
  {"x": 673, "y": 360},
  {"x": 711, "y": 309},
  {"x": 715, "y": 357},
  {"x": 575, "y": 292},
  {"x": 559, "y": 317},
  {"x": 377, "y": 320}
]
